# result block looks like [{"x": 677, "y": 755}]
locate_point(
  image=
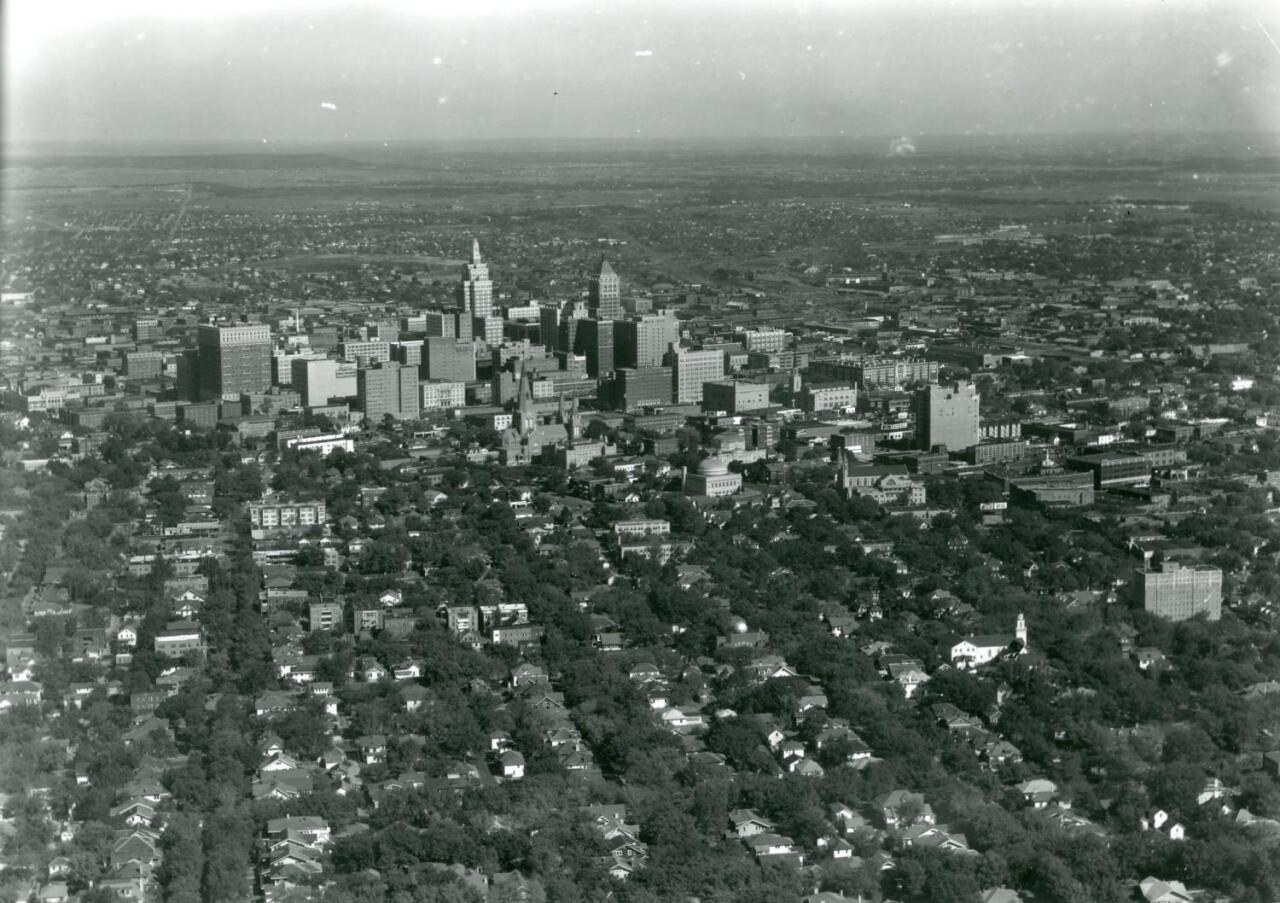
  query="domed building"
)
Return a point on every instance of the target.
[{"x": 712, "y": 479}]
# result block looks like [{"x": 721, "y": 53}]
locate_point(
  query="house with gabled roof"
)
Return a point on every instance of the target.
[
  {"x": 746, "y": 823},
  {"x": 525, "y": 674},
  {"x": 511, "y": 765},
  {"x": 770, "y": 847},
  {"x": 1154, "y": 890},
  {"x": 139, "y": 846},
  {"x": 373, "y": 748},
  {"x": 902, "y": 808},
  {"x": 1038, "y": 792},
  {"x": 1001, "y": 752},
  {"x": 134, "y": 813},
  {"x": 934, "y": 837}
]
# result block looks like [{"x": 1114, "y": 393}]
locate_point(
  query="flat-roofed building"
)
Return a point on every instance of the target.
[
  {"x": 643, "y": 387},
  {"x": 387, "y": 389},
  {"x": 324, "y": 615},
  {"x": 947, "y": 416},
  {"x": 690, "y": 369},
  {"x": 1112, "y": 468},
  {"x": 143, "y": 364},
  {"x": 365, "y": 351},
  {"x": 448, "y": 359},
  {"x": 818, "y": 397},
  {"x": 734, "y": 396},
  {"x": 281, "y": 514},
  {"x": 766, "y": 338},
  {"x": 317, "y": 382},
  {"x": 644, "y": 341},
  {"x": 441, "y": 395},
  {"x": 1177, "y": 592},
  {"x": 232, "y": 359},
  {"x": 180, "y": 638}
]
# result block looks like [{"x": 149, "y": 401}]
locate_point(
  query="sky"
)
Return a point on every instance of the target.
[{"x": 296, "y": 71}]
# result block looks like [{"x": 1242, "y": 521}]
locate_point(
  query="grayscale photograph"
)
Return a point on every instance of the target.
[{"x": 640, "y": 451}]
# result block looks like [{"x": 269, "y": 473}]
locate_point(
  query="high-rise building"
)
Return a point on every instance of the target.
[
  {"x": 414, "y": 325},
  {"x": 450, "y": 324},
  {"x": 1177, "y": 592},
  {"x": 947, "y": 415},
  {"x": 487, "y": 329},
  {"x": 448, "y": 359},
  {"x": 388, "y": 388},
  {"x": 558, "y": 326},
  {"x": 189, "y": 375},
  {"x": 282, "y": 363},
  {"x": 382, "y": 331},
  {"x": 407, "y": 353},
  {"x": 604, "y": 296},
  {"x": 319, "y": 381},
  {"x": 594, "y": 340},
  {"x": 690, "y": 369},
  {"x": 645, "y": 341},
  {"x": 371, "y": 351},
  {"x": 233, "y": 359},
  {"x": 635, "y": 388},
  {"x": 477, "y": 287}
]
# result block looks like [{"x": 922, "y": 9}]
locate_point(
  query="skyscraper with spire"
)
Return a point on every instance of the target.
[
  {"x": 477, "y": 287},
  {"x": 604, "y": 297}
]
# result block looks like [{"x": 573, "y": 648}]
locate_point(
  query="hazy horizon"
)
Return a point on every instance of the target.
[{"x": 287, "y": 73}]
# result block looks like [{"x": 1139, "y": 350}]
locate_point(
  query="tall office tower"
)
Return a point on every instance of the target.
[
  {"x": 233, "y": 359},
  {"x": 416, "y": 324},
  {"x": 634, "y": 388},
  {"x": 477, "y": 287},
  {"x": 1177, "y": 592},
  {"x": 604, "y": 297},
  {"x": 559, "y": 325},
  {"x": 594, "y": 340},
  {"x": 449, "y": 323},
  {"x": 549, "y": 326},
  {"x": 487, "y": 329},
  {"x": 188, "y": 375},
  {"x": 388, "y": 388},
  {"x": 690, "y": 369},
  {"x": 448, "y": 359},
  {"x": 282, "y": 363},
  {"x": 382, "y": 331},
  {"x": 644, "y": 342},
  {"x": 318, "y": 382},
  {"x": 947, "y": 415},
  {"x": 407, "y": 353}
]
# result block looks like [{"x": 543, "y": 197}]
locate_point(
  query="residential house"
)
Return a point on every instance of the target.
[
  {"x": 901, "y": 809},
  {"x": 746, "y": 823}
]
